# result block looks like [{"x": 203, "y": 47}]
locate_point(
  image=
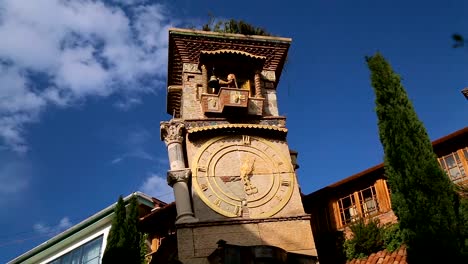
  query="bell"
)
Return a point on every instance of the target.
[{"x": 213, "y": 82}]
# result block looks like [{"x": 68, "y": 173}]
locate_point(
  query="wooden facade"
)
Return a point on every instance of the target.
[{"x": 367, "y": 195}]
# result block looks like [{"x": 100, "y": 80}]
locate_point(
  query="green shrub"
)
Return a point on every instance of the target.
[
  {"x": 368, "y": 237},
  {"x": 392, "y": 237}
]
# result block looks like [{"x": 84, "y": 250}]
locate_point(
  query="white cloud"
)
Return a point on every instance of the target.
[
  {"x": 14, "y": 179},
  {"x": 83, "y": 48},
  {"x": 128, "y": 103},
  {"x": 157, "y": 187},
  {"x": 134, "y": 146},
  {"x": 49, "y": 230},
  {"x": 137, "y": 154}
]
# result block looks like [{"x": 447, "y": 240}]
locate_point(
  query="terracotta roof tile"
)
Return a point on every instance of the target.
[
  {"x": 383, "y": 257},
  {"x": 398, "y": 257},
  {"x": 372, "y": 257}
]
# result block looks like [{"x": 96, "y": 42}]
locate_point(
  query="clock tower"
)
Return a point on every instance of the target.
[{"x": 231, "y": 169}]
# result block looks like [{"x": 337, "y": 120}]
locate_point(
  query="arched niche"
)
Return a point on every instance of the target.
[{"x": 245, "y": 66}]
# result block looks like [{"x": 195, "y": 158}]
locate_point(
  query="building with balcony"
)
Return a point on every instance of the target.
[{"x": 367, "y": 195}]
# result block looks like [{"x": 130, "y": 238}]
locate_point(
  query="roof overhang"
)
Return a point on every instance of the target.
[
  {"x": 143, "y": 199},
  {"x": 188, "y": 46},
  {"x": 441, "y": 146}
]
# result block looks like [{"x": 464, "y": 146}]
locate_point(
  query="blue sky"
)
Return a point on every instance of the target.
[{"x": 82, "y": 92}]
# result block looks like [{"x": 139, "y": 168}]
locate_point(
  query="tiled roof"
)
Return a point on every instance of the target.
[{"x": 383, "y": 257}]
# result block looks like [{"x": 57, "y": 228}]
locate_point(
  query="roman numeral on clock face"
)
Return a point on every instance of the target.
[
  {"x": 286, "y": 183},
  {"x": 217, "y": 202},
  {"x": 237, "y": 210},
  {"x": 202, "y": 168},
  {"x": 246, "y": 140}
]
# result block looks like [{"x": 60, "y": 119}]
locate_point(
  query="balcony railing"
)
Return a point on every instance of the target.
[{"x": 231, "y": 98}]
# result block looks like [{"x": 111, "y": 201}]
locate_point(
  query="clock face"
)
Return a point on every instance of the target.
[{"x": 243, "y": 176}]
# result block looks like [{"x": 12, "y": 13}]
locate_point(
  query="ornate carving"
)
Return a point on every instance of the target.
[
  {"x": 191, "y": 67},
  {"x": 242, "y": 175},
  {"x": 174, "y": 176},
  {"x": 246, "y": 171},
  {"x": 274, "y": 122},
  {"x": 212, "y": 103},
  {"x": 231, "y": 81},
  {"x": 269, "y": 75},
  {"x": 236, "y": 97},
  {"x": 172, "y": 132},
  {"x": 225, "y": 97},
  {"x": 204, "y": 79},
  {"x": 258, "y": 85}
]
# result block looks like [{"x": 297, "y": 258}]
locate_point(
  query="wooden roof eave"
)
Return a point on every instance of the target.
[
  {"x": 211, "y": 34},
  {"x": 159, "y": 221},
  {"x": 379, "y": 169}
]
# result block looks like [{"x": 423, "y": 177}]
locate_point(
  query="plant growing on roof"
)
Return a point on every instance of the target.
[{"x": 233, "y": 26}]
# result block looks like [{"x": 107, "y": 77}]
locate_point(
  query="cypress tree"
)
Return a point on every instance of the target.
[
  {"x": 423, "y": 197},
  {"x": 143, "y": 248},
  {"x": 133, "y": 236},
  {"x": 123, "y": 241},
  {"x": 116, "y": 238}
]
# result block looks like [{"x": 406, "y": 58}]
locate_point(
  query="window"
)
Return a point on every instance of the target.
[
  {"x": 89, "y": 253},
  {"x": 368, "y": 201},
  {"x": 348, "y": 210},
  {"x": 453, "y": 165},
  {"x": 362, "y": 203}
]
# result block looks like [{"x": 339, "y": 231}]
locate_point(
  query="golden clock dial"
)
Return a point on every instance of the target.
[{"x": 243, "y": 176}]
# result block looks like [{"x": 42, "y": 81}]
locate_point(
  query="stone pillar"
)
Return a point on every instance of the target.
[
  {"x": 172, "y": 133},
  {"x": 258, "y": 85},
  {"x": 204, "y": 79}
]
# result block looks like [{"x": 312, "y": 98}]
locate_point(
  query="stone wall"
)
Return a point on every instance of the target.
[{"x": 197, "y": 241}]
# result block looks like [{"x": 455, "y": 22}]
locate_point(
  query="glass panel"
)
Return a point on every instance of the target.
[
  {"x": 450, "y": 161},
  {"x": 369, "y": 204},
  {"x": 76, "y": 256},
  {"x": 66, "y": 259},
  {"x": 91, "y": 252},
  {"x": 347, "y": 209},
  {"x": 454, "y": 173},
  {"x": 465, "y": 153},
  {"x": 57, "y": 261}
]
